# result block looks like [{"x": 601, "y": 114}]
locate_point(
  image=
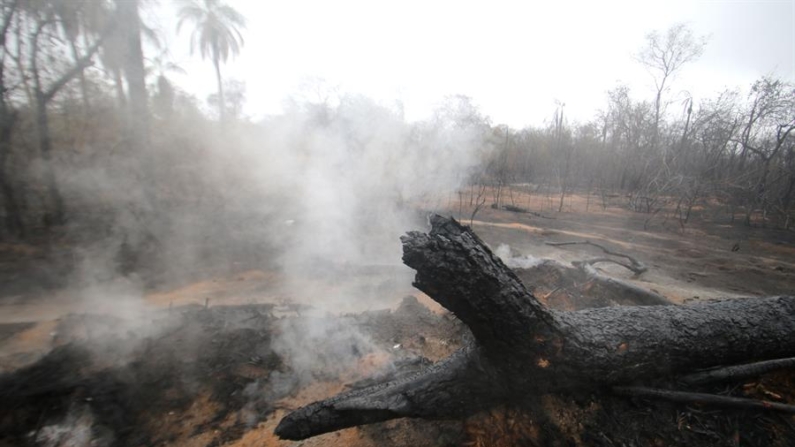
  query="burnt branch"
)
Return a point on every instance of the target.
[
  {"x": 632, "y": 268},
  {"x": 735, "y": 372},
  {"x": 635, "y": 266},
  {"x": 445, "y": 390},
  {"x": 703, "y": 399}
]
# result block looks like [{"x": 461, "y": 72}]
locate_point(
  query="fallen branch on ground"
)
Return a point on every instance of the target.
[
  {"x": 703, "y": 399},
  {"x": 635, "y": 266},
  {"x": 735, "y": 372}
]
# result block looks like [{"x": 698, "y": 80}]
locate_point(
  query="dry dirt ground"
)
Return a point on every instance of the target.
[{"x": 221, "y": 360}]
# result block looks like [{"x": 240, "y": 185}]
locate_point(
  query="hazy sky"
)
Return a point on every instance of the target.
[{"x": 514, "y": 58}]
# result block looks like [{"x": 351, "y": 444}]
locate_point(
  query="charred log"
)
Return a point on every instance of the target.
[{"x": 521, "y": 349}]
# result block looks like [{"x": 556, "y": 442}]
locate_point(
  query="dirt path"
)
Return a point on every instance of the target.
[{"x": 698, "y": 264}]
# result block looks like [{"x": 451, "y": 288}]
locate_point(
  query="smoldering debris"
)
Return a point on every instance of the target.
[
  {"x": 209, "y": 376},
  {"x": 135, "y": 379},
  {"x": 321, "y": 348},
  {"x": 76, "y": 430},
  {"x": 213, "y": 372},
  {"x": 515, "y": 260}
]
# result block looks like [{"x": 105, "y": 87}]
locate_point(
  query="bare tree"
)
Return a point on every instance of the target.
[
  {"x": 565, "y": 150},
  {"x": 45, "y": 90},
  {"x": 8, "y": 117},
  {"x": 770, "y": 122},
  {"x": 663, "y": 56}
]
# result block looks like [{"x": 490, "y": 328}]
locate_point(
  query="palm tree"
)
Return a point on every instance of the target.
[{"x": 216, "y": 33}]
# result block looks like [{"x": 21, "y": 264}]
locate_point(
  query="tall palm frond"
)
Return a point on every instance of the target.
[
  {"x": 216, "y": 28},
  {"x": 216, "y": 34}
]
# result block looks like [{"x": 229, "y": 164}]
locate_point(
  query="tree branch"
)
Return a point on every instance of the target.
[
  {"x": 703, "y": 399},
  {"x": 445, "y": 390},
  {"x": 735, "y": 372},
  {"x": 636, "y": 267},
  {"x": 7, "y": 22},
  {"x": 79, "y": 66}
]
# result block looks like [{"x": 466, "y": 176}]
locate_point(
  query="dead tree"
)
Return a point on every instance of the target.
[{"x": 521, "y": 350}]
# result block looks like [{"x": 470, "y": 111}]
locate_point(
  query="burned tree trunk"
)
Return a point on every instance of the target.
[{"x": 522, "y": 350}]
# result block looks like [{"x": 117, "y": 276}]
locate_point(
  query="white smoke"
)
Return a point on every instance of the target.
[
  {"x": 352, "y": 177},
  {"x": 504, "y": 252}
]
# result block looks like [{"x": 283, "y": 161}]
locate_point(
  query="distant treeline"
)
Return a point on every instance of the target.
[
  {"x": 95, "y": 136},
  {"x": 733, "y": 151}
]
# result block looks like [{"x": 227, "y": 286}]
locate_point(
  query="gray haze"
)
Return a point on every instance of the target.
[{"x": 515, "y": 59}]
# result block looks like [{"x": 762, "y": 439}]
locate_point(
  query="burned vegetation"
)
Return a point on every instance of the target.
[
  {"x": 504, "y": 367},
  {"x": 202, "y": 375},
  {"x": 127, "y": 389},
  {"x": 522, "y": 352}
]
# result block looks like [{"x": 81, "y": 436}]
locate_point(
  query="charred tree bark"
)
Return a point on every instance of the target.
[
  {"x": 448, "y": 389},
  {"x": 522, "y": 349}
]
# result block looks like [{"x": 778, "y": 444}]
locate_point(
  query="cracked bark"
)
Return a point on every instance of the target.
[{"x": 522, "y": 349}]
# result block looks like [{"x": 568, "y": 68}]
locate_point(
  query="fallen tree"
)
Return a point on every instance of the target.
[{"x": 520, "y": 349}]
